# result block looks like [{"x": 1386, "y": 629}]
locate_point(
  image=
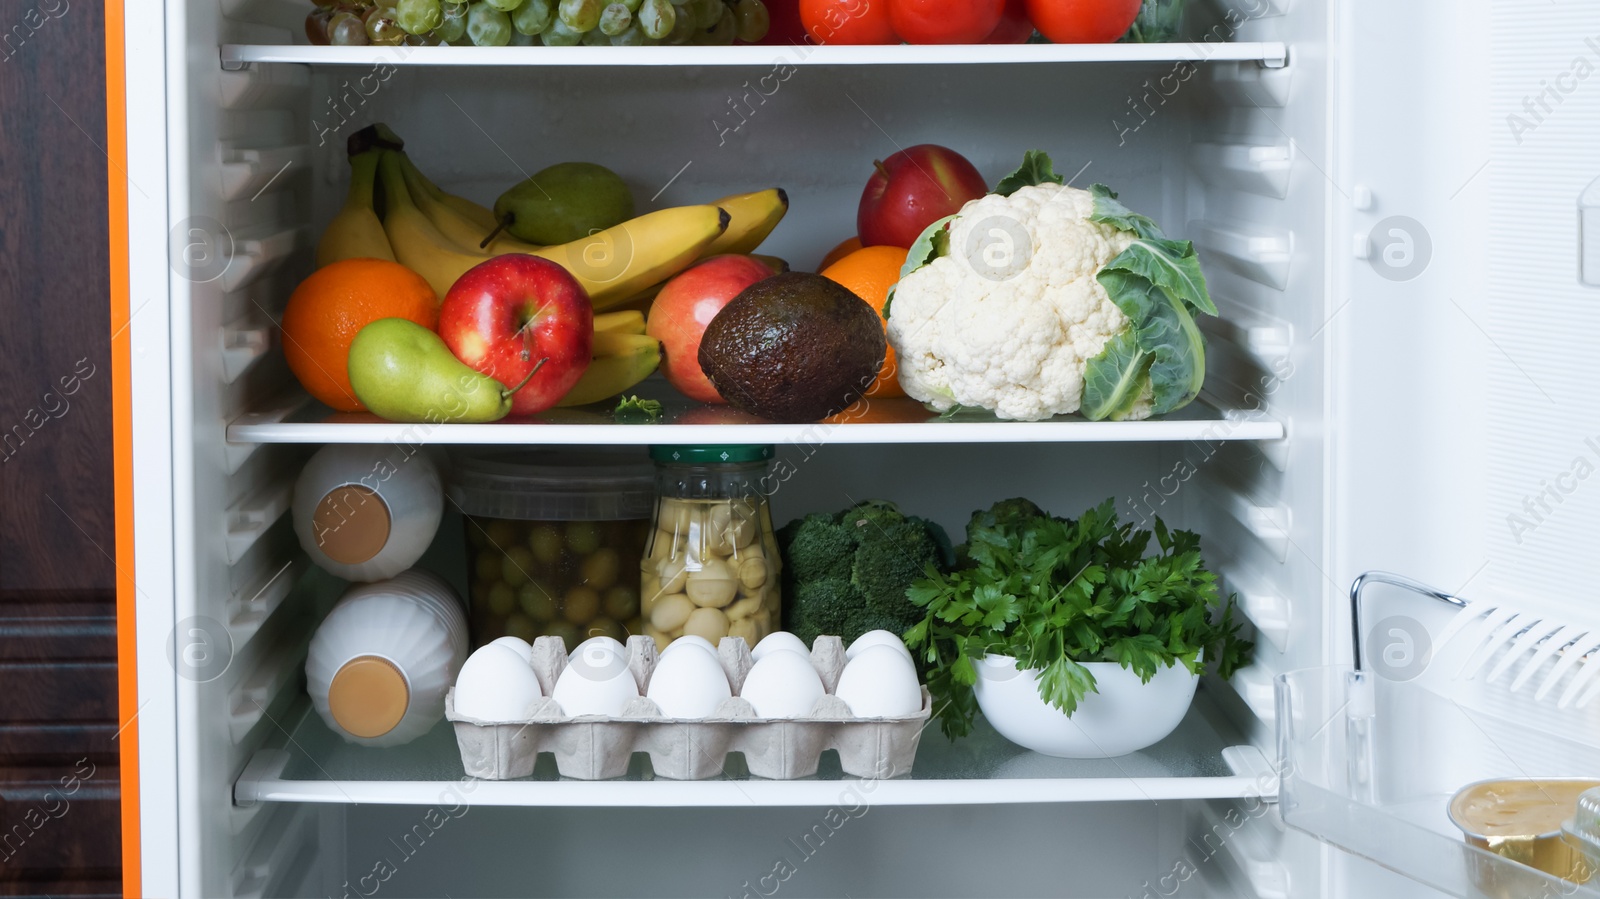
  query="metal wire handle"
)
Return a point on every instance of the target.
[{"x": 1394, "y": 580}]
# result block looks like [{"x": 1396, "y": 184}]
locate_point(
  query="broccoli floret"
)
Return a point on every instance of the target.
[
  {"x": 847, "y": 573},
  {"x": 815, "y": 547},
  {"x": 1005, "y": 516}
]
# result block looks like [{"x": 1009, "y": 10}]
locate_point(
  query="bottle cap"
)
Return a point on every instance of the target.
[
  {"x": 368, "y": 696},
  {"x": 351, "y": 524}
]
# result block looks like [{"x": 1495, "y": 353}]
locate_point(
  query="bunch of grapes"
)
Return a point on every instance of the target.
[{"x": 552, "y": 23}]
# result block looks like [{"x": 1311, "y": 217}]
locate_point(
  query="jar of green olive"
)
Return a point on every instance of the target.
[
  {"x": 552, "y": 540},
  {"x": 711, "y": 563}
]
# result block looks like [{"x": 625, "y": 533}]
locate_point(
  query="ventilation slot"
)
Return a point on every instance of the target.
[
  {"x": 243, "y": 344},
  {"x": 248, "y": 614},
  {"x": 278, "y": 669},
  {"x": 1252, "y": 168},
  {"x": 1258, "y": 255}
]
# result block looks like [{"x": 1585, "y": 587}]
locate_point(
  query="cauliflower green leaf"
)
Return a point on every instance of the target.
[
  {"x": 1036, "y": 169},
  {"x": 1113, "y": 380},
  {"x": 1166, "y": 331}
]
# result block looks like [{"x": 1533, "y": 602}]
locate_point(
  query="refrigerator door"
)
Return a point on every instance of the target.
[{"x": 1462, "y": 430}]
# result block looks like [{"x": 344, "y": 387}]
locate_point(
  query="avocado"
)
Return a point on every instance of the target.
[{"x": 794, "y": 347}]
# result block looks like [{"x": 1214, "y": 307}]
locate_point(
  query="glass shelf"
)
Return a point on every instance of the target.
[
  {"x": 895, "y": 420},
  {"x": 1272, "y": 54},
  {"x": 1203, "y": 758}
]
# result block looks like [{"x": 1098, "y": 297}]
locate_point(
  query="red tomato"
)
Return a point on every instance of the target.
[
  {"x": 1014, "y": 27},
  {"x": 785, "y": 27},
  {"x": 848, "y": 21},
  {"x": 1083, "y": 21},
  {"x": 945, "y": 21}
]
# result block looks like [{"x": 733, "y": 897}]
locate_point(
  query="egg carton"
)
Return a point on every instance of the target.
[{"x": 595, "y": 747}]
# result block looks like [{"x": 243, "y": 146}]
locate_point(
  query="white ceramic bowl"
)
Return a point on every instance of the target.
[{"x": 1124, "y": 716}]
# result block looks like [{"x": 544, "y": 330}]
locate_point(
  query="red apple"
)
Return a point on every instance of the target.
[
  {"x": 911, "y": 190},
  {"x": 684, "y": 307},
  {"x": 506, "y": 315}
]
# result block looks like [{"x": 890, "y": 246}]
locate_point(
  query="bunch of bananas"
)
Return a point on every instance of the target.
[{"x": 437, "y": 235}]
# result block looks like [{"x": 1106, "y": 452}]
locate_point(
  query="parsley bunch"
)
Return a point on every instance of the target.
[{"x": 1054, "y": 593}]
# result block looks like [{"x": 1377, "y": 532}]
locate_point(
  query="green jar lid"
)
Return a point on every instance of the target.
[{"x": 711, "y": 455}]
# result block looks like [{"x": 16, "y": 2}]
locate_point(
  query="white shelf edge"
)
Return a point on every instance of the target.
[
  {"x": 269, "y": 429},
  {"x": 256, "y": 786},
  {"x": 1269, "y": 53}
]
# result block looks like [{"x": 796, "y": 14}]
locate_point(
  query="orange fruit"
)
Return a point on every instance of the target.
[
  {"x": 338, "y": 300},
  {"x": 845, "y": 248},
  {"x": 869, "y": 273}
]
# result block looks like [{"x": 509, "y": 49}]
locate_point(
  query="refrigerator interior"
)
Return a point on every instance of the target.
[{"x": 1224, "y": 152}]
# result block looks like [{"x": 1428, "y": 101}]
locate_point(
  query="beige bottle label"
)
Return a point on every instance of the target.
[
  {"x": 352, "y": 524},
  {"x": 368, "y": 696}
]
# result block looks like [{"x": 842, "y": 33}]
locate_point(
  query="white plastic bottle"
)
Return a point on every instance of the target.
[
  {"x": 365, "y": 513},
  {"x": 381, "y": 662}
]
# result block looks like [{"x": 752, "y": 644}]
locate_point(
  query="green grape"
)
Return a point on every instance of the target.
[
  {"x": 632, "y": 5},
  {"x": 534, "y": 16},
  {"x": 753, "y": 20},
  {"x": 504, "y": 5},
  {"x": 656, "y": 18},
  {"x": 452, "y": 22},
  {"x": 707, "y": 13},
  {"x": 518, "y": 39},
  {"x": 726, "y": 29},
  {"x": 633, "y": 36},
  {"x": 381, "y": 4},
  {"x": 431, "y": 39},
  {"x": 559, "y": 35},
  {"x": 615, "y": 19},
  {"x": 595, "y": 38},
  {"x": 580, "y": 15},
  {"x": 487, "y": 26},
  {"x": 346, "y": 29},
  {"x": 382, "y": 29},
  {"x": 317, "y": 25},
  {"x": 683, "y": 28},
  {"x": 418, "y": 16}
]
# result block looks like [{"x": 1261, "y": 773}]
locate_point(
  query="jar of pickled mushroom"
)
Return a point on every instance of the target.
[
  {"x": 553, "y": 538},
  {"x": 711, "y": 564}
]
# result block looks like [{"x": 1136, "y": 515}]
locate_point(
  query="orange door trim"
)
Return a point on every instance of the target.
[{"x": 122, "y": 442}]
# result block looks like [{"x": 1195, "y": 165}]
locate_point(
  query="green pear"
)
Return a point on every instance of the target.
[
  {"x": 402, "y": 371},
  {"x": 563, "y": 203}
]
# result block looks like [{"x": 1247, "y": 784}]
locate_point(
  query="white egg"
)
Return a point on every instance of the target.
[
  {"x": 612, "y": 644},
  {"x": 782, "y": 685},
  {"x": 496, "y": 684},
  {"x": 689, "y": 683},
  {"x": 521, "y": 646},
  {"x": 690, "y": 640},
  {"x": 596, "y": 681},
  {"x": 779, "y": 640},
  {"x": 880, "y": 683},
  {"x": 877, "y": 638}
]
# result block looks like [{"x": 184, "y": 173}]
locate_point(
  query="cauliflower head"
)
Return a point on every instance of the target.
[
  {"x": 1041, "y": 299},
  {"x": 1009, "y": 318}
]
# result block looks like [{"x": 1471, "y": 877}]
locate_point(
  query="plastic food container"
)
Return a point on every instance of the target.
[
  {"x": 1521, "y": 819},
  {"x": 380, "y": 664},
  {"x": 365, "y": 513},
  {"x": 552, "y": 540},
  {"x": 711, "y": 565}
]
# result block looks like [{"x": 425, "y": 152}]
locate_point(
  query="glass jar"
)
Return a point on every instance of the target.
[
  {"x": 551, "y": 539},
  {"x": 711, "y": 566}
]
